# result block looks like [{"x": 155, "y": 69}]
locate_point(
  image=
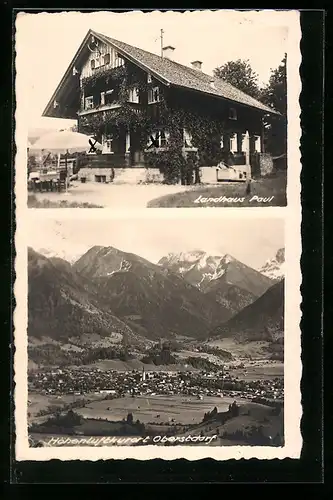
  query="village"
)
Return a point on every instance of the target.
[{"x": 116, "y": 384}]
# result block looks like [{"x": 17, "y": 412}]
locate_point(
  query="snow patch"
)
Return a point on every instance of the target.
[
  {"x": 218, "y": 274},
  {"x": 202, "y": 262},
  {"x": 204, "y": 276}
]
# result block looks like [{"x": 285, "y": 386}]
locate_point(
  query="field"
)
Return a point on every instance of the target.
[
  {"x": 259, "y": 371},
  {"x": 38, "y": 402},
  {"x": 250, "y": 350},
  {"x": 184, "y": 410}
]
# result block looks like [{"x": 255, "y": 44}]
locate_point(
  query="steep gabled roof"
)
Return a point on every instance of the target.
[
  {"x": 182, "y": 76},
  {"x": 172, "y": 73}
]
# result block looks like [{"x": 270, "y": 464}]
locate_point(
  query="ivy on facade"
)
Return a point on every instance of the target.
[{"x": 173, "y": 162}]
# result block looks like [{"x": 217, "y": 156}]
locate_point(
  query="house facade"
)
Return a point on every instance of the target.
[{"x": 157, "y": 119}]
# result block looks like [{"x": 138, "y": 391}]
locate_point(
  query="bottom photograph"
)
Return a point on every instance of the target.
[{"x": 161, "y": 332}]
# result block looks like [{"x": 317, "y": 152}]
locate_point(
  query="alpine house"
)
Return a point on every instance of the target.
[{"x": 150, "y": 112}]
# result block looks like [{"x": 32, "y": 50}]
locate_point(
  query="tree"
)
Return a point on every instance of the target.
[
  {"x": 129, "y": 418},
  {"x": 274, "y": 95},
  {"x": 241, "y": 75}
]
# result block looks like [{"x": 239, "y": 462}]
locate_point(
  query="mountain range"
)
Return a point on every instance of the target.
[
  {"x": 109, "y": 291},
  {"x": 152, "y": 300},
  {"x": 221, "y": 278}
]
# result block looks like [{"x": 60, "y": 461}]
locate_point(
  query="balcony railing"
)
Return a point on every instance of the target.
[
  {"x": 96, "y": 109},
  {"x": 107, "y": 107}
]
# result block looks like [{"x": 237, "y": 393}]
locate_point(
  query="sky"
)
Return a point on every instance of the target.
[
  {"x": 251, "y": 240},
  {"x": 47, "y": 42}
]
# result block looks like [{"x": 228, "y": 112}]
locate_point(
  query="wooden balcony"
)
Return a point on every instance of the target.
[
  {"x": 100, "y": 109},
  {"x": 136, "y": 107}
]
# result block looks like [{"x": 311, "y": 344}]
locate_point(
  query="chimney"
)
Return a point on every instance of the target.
[
  {"x": 196, "y": 65},
  {"x": 168, "y": 51},
  {"x": 212, "y": 83}
]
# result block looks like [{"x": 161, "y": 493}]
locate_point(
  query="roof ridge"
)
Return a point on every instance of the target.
[
  {"x": 193, "y": 72},
  {"x": 153, "y": 54},
  {"x": 169, "y": 72}
]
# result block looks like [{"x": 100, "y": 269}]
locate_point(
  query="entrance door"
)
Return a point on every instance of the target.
[{"x": 136, "y": 154}]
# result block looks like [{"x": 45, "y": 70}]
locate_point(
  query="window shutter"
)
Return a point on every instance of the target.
[
  {"x": 233, "y": 143},
  {"x": 257, "y": 143},
  {"x": 243, "y": 147},
  {"x": 107, "y": 144}
]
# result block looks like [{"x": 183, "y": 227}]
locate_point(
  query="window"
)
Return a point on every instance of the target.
[
  {"x": 187, "y": 139},
  {"x": 89, "y": 102},
  {"x": 134, "y": 95},
  {"x": 164, "y": 138},
  {"x": 109, "y": 97},
  {"x": 95, "y": 63},
  {"x": 153, "y": 95},
  {"x": 158, "y": 139},
  {"x": 107, "y": 59},
  {"x": 119, "y": 61},
  {"x": 102, "y": 98},
  {"x": 149, "y": 78},
  {"x": 232, "y": 114},
  {"x": 257, "y": 143},
  {"x": 233, "y": 143}
]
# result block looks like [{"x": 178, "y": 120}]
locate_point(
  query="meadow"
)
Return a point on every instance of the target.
[
  {"x": 183, "y": 409},
  {"x": 267, "y": 187}
]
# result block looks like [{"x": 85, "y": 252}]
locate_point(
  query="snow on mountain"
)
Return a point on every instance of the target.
[
  {"x": 222, "y": 278},
  {"x": 189, "y": 257},
  {"x": 197, "y": 266},
  {"x": 275, "y": 268},
  {"x": 62, "y": 254}
]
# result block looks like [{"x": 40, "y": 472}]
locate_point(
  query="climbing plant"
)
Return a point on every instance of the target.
[
  {"x": 103, "y": 78},
  {"x": 173, "y": 161}
]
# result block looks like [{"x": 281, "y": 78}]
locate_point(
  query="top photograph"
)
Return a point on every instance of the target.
[{"x": 153, "y": 110}]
